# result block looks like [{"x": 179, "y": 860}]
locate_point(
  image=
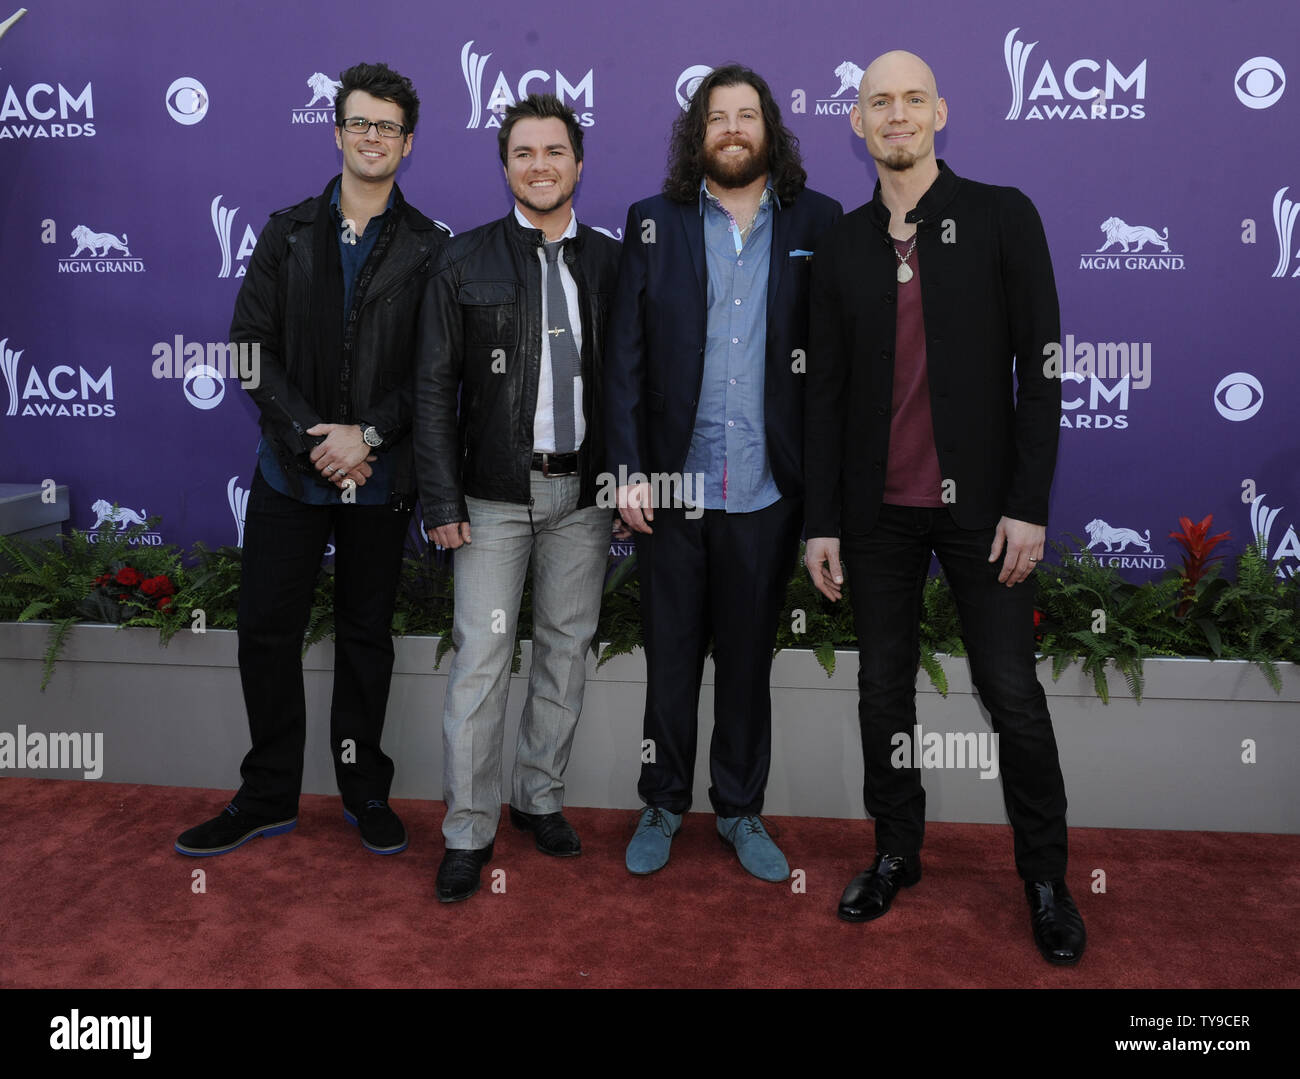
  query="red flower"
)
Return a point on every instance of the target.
[
  {"x": 157, "y": 586},
  {"x": 128, "y": 576},
  {"x": 164, "y": 603},
  {"x": 103, "y": 578},
  {"x": 1038, "y": 616}
]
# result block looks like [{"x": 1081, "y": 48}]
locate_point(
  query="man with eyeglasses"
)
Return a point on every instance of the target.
[
  {"x": 508, "y": 443},
  {"x": 332, "y": 297}
]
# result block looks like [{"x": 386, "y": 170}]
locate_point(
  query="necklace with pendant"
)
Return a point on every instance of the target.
[{"x": 904, "y": 270}]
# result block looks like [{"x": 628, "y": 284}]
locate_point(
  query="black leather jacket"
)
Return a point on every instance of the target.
[
  {"x": 272, "y": 310},
  {"x": 480, "y": 349}
]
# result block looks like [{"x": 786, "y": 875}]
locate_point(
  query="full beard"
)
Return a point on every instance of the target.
[{"x": 740, "y": 171}]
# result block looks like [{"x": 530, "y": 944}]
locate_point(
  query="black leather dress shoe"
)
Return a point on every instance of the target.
[
  {"x": 458, "y": 875},
  {"x": 1058, "y": 926},
  {"x": 871, "y": 892},
  {"x": 552, "y": 833}
]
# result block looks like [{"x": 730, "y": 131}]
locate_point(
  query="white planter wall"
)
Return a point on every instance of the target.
[{"x": 175, "y": 716}]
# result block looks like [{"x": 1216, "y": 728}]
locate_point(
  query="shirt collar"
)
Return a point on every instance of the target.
[
  {"x": 707, "y": 196},
  {"x": 337, "y": 193},
  {"x": 568, "y": 234}
]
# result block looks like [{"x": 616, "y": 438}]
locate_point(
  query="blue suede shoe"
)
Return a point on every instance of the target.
[
  {"x": 648, "y": 851},
  {"x": 754, "y": 847}
]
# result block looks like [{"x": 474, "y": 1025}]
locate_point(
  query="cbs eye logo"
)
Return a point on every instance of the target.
[
  {"x": 204, "y": 387},
  {"x": 1259, "y": 82},
  {"x": 187, "y": 100},
  {"x": 1238, "y": 396}
]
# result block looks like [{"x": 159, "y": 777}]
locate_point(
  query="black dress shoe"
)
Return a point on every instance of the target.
[
  {"x": 553, "y": 834},
  {"x": 1058, "y": 926},
  {"x": 871, "y": 892},
  {"x": 458, "y": 875}
]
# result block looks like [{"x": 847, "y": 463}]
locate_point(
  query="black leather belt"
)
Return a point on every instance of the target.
[{"x": 555, "y": 464}]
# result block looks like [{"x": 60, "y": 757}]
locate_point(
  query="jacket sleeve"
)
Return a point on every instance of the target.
[
  {"x": 439, "y": 364},
  {"x": 825, "y": 399},
  {"x": 1035, "y": 319},
  {"x": 259, "y": 319},
  {"x": 625, "y": 359}
]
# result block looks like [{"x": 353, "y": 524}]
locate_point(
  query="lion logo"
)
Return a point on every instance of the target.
[
  {"x": 850, "y": 76},
  {"x": 93, "y": 241},
  {"x": 1100, "y": 532},
  {"x": 104, "y": 511},
  {"x": 1117, "y": 232},
  {"x": 322, "y": 88}
]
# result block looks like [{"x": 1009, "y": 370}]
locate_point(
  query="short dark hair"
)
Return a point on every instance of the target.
[
  {"x": 540, "y": 107},
  {"x": 378, "y": 80},
  {"x": 686, "y": 148}
]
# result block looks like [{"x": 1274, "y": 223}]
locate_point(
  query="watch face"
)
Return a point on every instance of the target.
[{"x": 371, "y": 436}]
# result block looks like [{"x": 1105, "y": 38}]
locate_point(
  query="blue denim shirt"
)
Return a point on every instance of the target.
[
  {"x": 729, "y": 444},
  {"x": 375, "y": 491}
]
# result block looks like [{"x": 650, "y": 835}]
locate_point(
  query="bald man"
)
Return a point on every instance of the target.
[{"x": 931, "y": 428}]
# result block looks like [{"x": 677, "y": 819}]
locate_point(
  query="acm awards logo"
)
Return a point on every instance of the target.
[
  {"x": 1094, "y": 97},
  {"x": 487, "y": 113},
  {"x": 1122, "y": 548},
  {"x": 96, "y": 252},
  {"x": 74, "y": 112},
  {"x": 121, "y": 518},
  {"x": 1285, "y": 213},
  {"x": 1262, "y": 526},
  {"x": 62, "y": 391},
  {"x": 320, "y": 105},
  {"x": 1132, "y": 247},
  {"x": 223, "y": 224},
  {"x": 1098, "y": 380}
]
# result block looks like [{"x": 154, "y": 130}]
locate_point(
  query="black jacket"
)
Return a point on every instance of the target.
[
  {"x": 272, "y": 310},
  {"x": 990, "y": 308},
  {"x": 480, "y": 356},
  {"x": 657, "y": 340}
]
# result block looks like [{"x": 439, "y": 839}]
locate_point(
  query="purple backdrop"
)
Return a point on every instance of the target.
[{"x": 143, "y": 149}]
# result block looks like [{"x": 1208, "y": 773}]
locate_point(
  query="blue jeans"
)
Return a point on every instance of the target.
[{"x": 887, "y": 569}]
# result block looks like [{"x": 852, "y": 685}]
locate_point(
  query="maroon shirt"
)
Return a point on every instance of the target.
[{"x": 912, "y": 477}]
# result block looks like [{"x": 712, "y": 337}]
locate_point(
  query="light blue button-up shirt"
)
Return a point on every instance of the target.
[{"x": 729, "y": 444}]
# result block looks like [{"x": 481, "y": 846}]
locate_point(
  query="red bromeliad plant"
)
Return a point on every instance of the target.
[{"x": 1196, "y": 561}]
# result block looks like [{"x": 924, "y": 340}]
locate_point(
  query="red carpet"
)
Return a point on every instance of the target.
[{"x": 93, "y": 896}]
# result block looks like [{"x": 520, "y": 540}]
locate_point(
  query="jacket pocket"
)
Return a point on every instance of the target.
[{"x": 490, "y": 312}]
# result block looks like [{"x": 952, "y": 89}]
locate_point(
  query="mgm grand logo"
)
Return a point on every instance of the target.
[{"x": 1132, "y": 247}]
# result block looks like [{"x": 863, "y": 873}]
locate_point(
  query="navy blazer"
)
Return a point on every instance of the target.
[{"x": 654, "y": 354}]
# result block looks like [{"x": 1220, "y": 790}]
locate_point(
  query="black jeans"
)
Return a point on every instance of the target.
[
  {"x": 284, "y": 540},
  {"x": 887, "y": 569},
  {"x": 721, "y": 576}
]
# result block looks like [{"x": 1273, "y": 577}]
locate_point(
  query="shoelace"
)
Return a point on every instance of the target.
[{"x": 656, "y": 819}]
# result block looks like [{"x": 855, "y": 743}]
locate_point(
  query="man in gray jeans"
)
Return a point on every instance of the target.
[{"x": 508, "y": 441}]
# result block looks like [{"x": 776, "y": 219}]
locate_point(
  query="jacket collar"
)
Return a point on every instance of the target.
[
  {"x": 530, "y": 238},
  {"x": 929, "y": 207},
  {"x": 306, "y": 211}
]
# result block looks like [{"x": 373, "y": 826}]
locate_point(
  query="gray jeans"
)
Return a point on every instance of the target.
[{"x": 569, "y": 549}]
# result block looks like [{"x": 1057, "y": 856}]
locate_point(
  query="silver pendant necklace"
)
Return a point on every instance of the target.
[{"x": 904, "y": 270}]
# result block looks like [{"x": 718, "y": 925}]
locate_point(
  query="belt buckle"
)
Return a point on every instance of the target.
[{"x": 546, "y": 465}]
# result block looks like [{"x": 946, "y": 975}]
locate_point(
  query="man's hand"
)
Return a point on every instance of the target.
[
  {"x": 821, "y": 557},
  {"x": 343, "y": 455},
  {"x": 635, "y": 506},
  {"x": 450, "y": 536},
  {"x": 1024, "y": 544}
]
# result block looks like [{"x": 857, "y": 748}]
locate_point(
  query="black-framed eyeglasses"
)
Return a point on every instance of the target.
[{"x": 359, "y": 125}]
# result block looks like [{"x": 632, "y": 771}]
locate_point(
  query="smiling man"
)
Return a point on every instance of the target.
[
  {"x": 508, "y": 443},
  {"x": 707, "y": 347},
  {"x": 931, "y": 428},
  {"x": 332, "y": 297}
]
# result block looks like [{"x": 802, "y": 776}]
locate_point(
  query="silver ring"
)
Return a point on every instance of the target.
[
  {"x": 1033, "y": 560},
  {"x": 329, "y": 469}
]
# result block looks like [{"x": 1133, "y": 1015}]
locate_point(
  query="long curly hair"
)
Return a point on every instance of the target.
[{"x": 686, "y": 150}]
